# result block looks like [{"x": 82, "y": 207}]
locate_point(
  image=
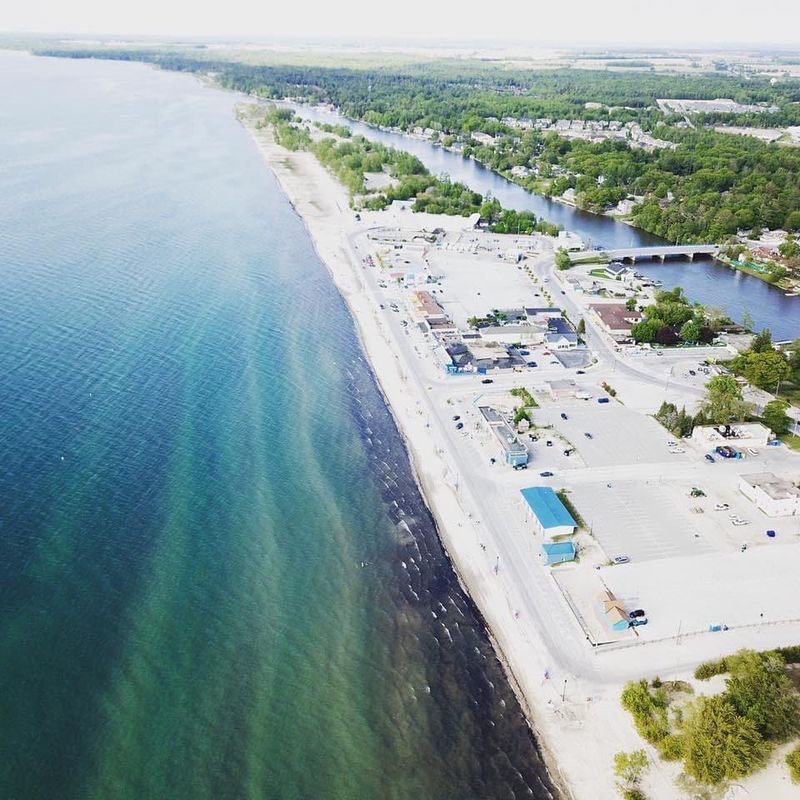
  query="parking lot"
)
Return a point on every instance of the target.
[
  {"x": 619, "y": 435},
  {"x": 640, "y": 519},
  {"x": 690, "y": 594}
]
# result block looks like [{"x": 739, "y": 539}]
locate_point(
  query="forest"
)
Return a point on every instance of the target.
[{"x": 709, "y": 186}]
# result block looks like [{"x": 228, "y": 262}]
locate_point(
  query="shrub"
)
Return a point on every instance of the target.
[
  {"x": 670, "y": 748},
  {"x": 719, "y": 743},
  {"x": 649, "y": 711},
  {"x": 793, "y": 760},
  {"x": 708, "y": 669},
  {"x": 790, "y": 655}
]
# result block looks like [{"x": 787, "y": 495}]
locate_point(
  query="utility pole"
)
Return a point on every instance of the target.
[{"x": 564, "y": 690}]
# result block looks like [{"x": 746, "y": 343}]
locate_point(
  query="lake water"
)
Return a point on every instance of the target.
[
  {"x": 218, "y": 577},
  {"x": 705, "y": 281}
]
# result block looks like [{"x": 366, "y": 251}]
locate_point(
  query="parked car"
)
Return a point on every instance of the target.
[
  {"x": 524, "y": 352},
  {"x": 549, "y": 443},
  {"x": 564, "y": 416},
  {"x": 677, "y": 450},
  {"x": 456, "y": 417},
  {"x": 487, "y": 380},
  {"x": 752, "y": 451},
  {"x": 580, "y": 372},
  {"x": 546, "y": 474},
  {"x": 620, "y": 559},
  {"x": 721, "y": 507},
  {"x": 635, "y": 623},
  {"x": 692, "y": 372},
  {"x": 588, "y": 435},
  {"x": 773, "y": 443},
  {"x": 532, "y": 364},
  {"x": 740, "y": 522},
  {"x": 520, "y": 466},
  {"x": 637, "y": 612},
  {"x": 459, "y": 426},
  {"x": 709, "y": 458},
  {"x": 771, "y": 534},
  {"x": 603, "y": 400}
]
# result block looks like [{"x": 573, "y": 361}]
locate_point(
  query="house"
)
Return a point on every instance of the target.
[
  {"x": 560, "y": 334},
  {"x": 774, "y": 496},
  {"x": 557, "y": 552},
  {"x": 616, "y": 318},
  {"x": 613, "y": 612},
  {"x": 617, "y": 271},
  {"x": 427, "y": 307},
  {"x": 550, "y": 516}
]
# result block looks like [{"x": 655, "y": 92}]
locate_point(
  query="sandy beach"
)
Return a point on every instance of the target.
[{"x": 570, "y": 699}]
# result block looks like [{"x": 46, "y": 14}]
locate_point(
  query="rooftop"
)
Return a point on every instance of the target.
[
  {"x": 547, "y": 506},
  {"x": 615, "y": 316},
  {"x": 773, "y": 486}
]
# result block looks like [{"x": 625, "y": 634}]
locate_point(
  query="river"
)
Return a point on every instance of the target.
[
  {"x": 704, "y": 281},
  {"x": 219, "y": 579}
]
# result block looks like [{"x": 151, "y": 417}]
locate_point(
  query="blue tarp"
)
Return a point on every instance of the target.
[{"x": 549, "y": 510}]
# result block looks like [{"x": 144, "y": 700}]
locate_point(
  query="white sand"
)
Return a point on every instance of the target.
[{"x": 580, "y": 734}]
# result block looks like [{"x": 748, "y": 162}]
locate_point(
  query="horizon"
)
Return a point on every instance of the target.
[{"x": 689, "y": 25}]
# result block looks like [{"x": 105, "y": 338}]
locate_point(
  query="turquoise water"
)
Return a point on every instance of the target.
[{"x": 218, "y": 577}]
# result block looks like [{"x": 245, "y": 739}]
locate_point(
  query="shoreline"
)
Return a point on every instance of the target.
[
  {"x": 568, "y": 691},
  {"x": 275, "y": 158}
]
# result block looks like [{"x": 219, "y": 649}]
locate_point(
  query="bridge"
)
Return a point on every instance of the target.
[{"x": 662, "y": 252}]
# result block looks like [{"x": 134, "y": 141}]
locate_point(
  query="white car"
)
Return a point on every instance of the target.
[
  {"x": 676, "y": 450},
  {"x": 738, "y": 522},
  {"x": 721, "y": 507},
  {"x": 752, "y": 451}
]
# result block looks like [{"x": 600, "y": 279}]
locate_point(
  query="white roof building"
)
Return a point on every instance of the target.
[{"x": 774, "y": 496}]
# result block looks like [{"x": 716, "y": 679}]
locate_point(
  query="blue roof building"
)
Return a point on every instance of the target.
[
  {"x": 551, "y": 517},
  {"x": 558, "y": 552}
]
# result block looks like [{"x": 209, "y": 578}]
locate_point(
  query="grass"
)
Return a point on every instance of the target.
[
  {"x": 570, "y": 506},
  {"x": 791, "y": 440}
]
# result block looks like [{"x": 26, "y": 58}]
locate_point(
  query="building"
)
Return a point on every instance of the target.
[
  {"x": 616, "y": 318},
  {"x": 541, "y": 316},
  {"x": 558, "y": 552},
  {"x": 512, "y": 451},
  {"x": 774, "y": 496},
  {"x": 613, "y": 612},
  {"x": 551, "y": 517},
  {"x": 618, "y": 272},
  {"x": 562, "y": 389},
  {"x": 742, "y": 434},
  {"x": 560, "y": 334},
  {"x": 513, "y": 334},
  {"x": 427, "y": 307}
]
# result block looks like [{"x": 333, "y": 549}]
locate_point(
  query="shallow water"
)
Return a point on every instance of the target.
[{"x": 218, "y": 577}]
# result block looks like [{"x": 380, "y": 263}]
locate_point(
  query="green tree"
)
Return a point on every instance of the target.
[
  {"x": 690, "y": 331},
  {"x": 760, "y": 691},
  {"x": 723, "y": 401},
  {"x": 720, "y": 744},
  {"x": 630, "y": 304},
  {"x": 563, "y": 261},
  {"x": 629, "y": 768},
  {"x": 765, "y": 369},
  {"x": 789, "y": 248},
  {"x": 747, "y": 321},
  {"x": 762, "y": 341},
  {"x": 775, "y": 418},
  {"x": 581, "y": 329}
]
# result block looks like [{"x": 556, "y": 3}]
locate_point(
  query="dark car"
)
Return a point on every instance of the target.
[
  {"x": 580, "y": 372},
  {"x": 456, "y": 417},
  {"x": 532, "y": 364},
  {"x": 487, "y": 380},
  {"x": 637, "y": 612},
  {"x": 564, "y": 416},
  {"x": 549, "y": 443},
  {"x": 692, "y": 372},
  {"x": 546, "y": 474},
  {"x": 588, "y": 435},
  {"x": 709, "y": 458},
  {"x": 524, "y": 352},
  {"x": 459, "y": 426}
]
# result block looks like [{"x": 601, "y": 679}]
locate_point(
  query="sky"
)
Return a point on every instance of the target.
[{"x": 537, "y": 21}]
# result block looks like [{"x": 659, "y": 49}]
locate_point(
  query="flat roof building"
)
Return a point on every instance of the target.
[
  {"x": 550, "y": 515},
  {"x": 513, "y": 451},
  {"x": 558, "y": 552},
  {"x": 774, "y": 496}
]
